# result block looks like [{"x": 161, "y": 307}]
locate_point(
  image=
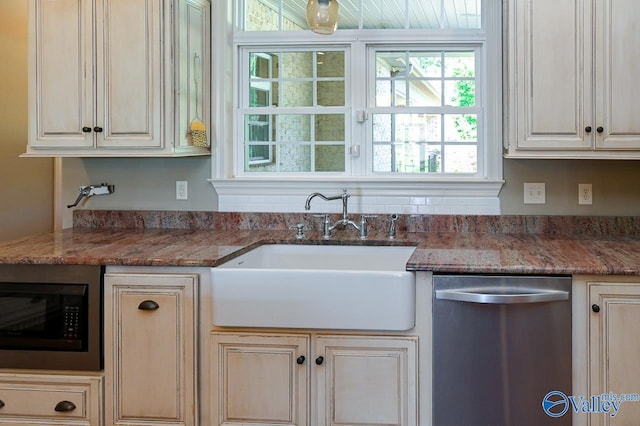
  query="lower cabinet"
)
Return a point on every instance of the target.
[
  {"x": 614, "y": 350},
  {"x": 308, "y": 379},
  {"x": 150, "y": 349},
  {"x": 48, "y": 399}
]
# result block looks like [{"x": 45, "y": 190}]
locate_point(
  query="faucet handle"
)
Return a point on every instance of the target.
[
  {"x": 326, "y": 231},
  {"x": 299, "y": 227},
  {"x": 364, "y": 232},
  {"x": 392, "y": 226}
]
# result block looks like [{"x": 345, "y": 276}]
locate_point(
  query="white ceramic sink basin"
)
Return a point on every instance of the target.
[{"x": 316, "y": 287}]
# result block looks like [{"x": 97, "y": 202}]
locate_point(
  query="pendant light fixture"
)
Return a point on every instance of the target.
[{"x": 322, "y": 16}]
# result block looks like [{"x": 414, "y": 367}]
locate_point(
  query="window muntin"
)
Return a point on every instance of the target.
[{"x": 294, "y": 110}]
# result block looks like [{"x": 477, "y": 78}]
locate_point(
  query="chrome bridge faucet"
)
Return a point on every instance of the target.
[{"x": 345, "y": 221}]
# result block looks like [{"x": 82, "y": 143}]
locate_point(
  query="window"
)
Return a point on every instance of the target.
[
  {"x": 421, "y": 111},
  {"x": 424, "y": 111},
  {"x": 294, "y": 107},
  {"x": 404, "y": 99}
]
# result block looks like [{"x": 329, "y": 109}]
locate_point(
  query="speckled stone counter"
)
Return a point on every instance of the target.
[{"x": 452, "y": 244}]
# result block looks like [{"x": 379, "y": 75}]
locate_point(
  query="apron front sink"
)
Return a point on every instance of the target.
[{"x": 316, "y": 287}]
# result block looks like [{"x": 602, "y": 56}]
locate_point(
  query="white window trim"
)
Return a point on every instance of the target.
[{"x": 226, "y": 182}]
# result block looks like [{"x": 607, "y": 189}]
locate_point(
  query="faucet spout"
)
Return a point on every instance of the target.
[{"x": 343, "y": 196}]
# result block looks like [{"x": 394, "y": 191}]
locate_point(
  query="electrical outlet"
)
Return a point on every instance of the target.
[
  {"x": 182, "y": 192},
  {"x": 585, "y": 193},
  {"x": 534, "y": 193}
]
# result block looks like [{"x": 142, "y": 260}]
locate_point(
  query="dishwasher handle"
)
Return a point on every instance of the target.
[{"x": 502, "y": 295}]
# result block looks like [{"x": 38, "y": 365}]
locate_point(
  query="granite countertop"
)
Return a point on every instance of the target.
[{"x": 453, "y": 244}]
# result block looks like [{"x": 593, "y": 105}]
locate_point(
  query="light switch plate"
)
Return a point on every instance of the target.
[{"x": 534, "y": 193}]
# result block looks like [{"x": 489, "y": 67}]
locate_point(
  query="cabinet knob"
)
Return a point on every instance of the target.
[
  {"x": 148, "y": 305},
  {"x": 300, "y": 360},
  {"x": 97, "y": 129},
  {"x": 587, "y": 129},
  {"x": 64, "y": 406},
  {"x": 595, "y": 308},
  {"x": 600, "y": 129},
  {"x": 319, "y": 360},
  {"x": 1, "y": 403},
  {"x": 86, "y": 129}
]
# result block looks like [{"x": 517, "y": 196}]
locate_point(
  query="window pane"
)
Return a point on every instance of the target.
[
  {"x": 461, "y": 128},
  {"x": 268, "y": 15},
  {"x": 425, "y": 93},
  {"x": 331, "y": 93},
  {"x": 296, "y": 64},
  {"x": 294, "y": 158},
  {"x": 460, "y": 93},
  {"x": 330, "y": 64},
  {"x": 426, "y": 64},
  {"x": 293, "y": 128},
  {"x": 461, "y": 159},
  {"x": 260, "y": 94},
  {"x": 461, "y": 13},
  {"x": 382, "y": 14},
  {"x": 264, "y": 15},
  {"x": 295, "y": 94},
  {"x": 330, "y": 127},
  {"x": 459, "y": 64},
  {"x": 329, "y": 158},
  {"x": 260, "y": 65}
]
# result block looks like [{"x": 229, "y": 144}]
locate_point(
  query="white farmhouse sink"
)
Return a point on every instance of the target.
[{"x": 316, "y": 286}]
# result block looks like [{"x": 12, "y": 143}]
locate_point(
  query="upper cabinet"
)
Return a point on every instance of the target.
[
  {"x": 571, "y": 73},
  {"x": 118, "y": 77}
]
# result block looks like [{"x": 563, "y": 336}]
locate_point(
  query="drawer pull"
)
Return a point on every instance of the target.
[
  {"x": 148, "y": 305},
  {"x": 1, "y": 403},
  {"x": 300, "y": 360},
  {"x": 64, "y": 406},
  {"x": 319, "y": 360}
]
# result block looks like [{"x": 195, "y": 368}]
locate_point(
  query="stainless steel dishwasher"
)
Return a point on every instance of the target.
[{"x": 500, "y": 344}]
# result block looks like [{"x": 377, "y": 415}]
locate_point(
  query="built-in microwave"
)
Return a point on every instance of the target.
[{"x": 51, "y": 317}]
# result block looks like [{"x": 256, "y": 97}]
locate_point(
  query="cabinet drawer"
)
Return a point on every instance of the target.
[{"x": 49, "y": 399}]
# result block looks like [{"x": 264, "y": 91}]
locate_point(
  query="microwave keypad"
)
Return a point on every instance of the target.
[{"x": 71, "y": 322}]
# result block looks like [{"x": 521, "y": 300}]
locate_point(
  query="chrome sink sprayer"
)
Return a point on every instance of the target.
[{"x": 345, "y": 221}]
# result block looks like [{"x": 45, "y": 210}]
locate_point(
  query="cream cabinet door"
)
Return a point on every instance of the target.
[
  {"x": 110, "y": 78},
  {"x": 572, "y": 75},
  {"x": 552, "y": 80},
  {"x": 259, "y": 379},
  {"x": 61, "y": 74},
  {"x": 617, "y": 67},
  {"x": 366, "y": 380},
  {"x": 614, "y": 348},
  {"x": 129, "y": 73},
  {"x": 96, "y": 74},
  {"x": 150, "y": 349}
]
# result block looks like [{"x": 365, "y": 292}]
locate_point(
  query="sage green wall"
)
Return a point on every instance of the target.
[
  {"x": 616, "y": 186},
  {"x": 140, "y": 183},
  {"x": 150, "y": 184},
  {"x": 25, "y": 183}
]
